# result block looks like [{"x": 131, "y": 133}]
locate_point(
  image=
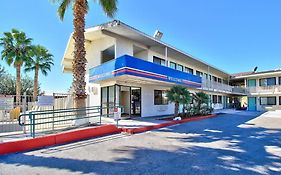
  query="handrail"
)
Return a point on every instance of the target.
[{"x": 62, "y": 115}]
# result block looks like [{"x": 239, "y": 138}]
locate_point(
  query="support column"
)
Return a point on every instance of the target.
[{"x": 166, "y": 56}]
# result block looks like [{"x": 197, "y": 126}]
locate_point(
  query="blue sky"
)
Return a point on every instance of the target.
[{"x": 234, "y": 35}]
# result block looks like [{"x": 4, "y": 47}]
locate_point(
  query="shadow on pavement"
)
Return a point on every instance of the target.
[{"x": 212, "y": 146}]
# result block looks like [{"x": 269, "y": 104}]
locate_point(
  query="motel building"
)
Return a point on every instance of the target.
[
  {"x": 263, "y": 89},
  {"x": 129, "y": 68}
]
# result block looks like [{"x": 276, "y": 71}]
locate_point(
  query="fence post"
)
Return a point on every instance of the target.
[
  {"x": 24, "y": 111},
  {"x": 53, "y": 123},
  {"x": 100, "y": 113},
  {"x": 31, "y": 123}
]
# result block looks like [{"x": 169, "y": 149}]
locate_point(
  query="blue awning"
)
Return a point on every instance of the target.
[{"x": 128, "y": 65}]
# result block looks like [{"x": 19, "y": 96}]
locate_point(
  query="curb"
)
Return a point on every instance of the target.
[
  {"x": 56, "y": 139},
  {"x": 162, "y": 125}
]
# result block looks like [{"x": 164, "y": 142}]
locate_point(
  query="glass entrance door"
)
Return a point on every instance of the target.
[
  {"x": 135, "y": 101},
  {"x": 129, "y": 98}
]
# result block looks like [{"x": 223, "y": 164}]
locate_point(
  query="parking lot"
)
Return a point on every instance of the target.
[{"x": 240, "y": 143}]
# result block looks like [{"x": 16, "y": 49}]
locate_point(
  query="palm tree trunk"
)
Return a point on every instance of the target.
[
  {"x": 18, "y": 83},
  {"x": 79, "y": 62},
  {"x": 176, "y": 109},
  {"x": 35, "y": 88}
]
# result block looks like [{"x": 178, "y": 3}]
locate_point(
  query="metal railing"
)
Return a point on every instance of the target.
[
  {"x": 264, "y": 89},
  {"x": 221, "y": 87},
  {"x": 61, "y": 119}
]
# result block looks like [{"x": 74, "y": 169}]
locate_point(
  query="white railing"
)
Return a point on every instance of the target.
[
  {"x": 264, "y": 89},
  {"x": 221, "y": 87}
]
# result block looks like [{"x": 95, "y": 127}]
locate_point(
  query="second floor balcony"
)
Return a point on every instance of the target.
[
  {"x": 273, "y": 89},
  {"x": 221, "y": 87}
]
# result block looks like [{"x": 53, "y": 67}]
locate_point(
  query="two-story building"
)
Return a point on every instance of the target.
[
  {"x": 263, "y": 89},
  {"x": 129, "y": 68}
]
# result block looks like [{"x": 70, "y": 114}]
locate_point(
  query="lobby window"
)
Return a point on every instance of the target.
[
  {"x": 268, "y": 101},
  {"x": 198, "y": 73},
  {"x": 188, "y": 70},
  {"x": 268, "y": 81},
  {"x": 160, "y": 97},
  {"x": 179, "y": 67},
  {"x": 219, "y": 99},
  {"x": 159, "y": 61},
  {"x": 215, "y": 99},
  {"x": 173, "y": 65}
]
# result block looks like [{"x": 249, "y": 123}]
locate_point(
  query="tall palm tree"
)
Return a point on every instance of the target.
[
  {"x": 80, "y": 9},
  {"x": 178, "y": 95},
  {"x": 16, "y": 46},
  {"x": 41, "y": 60}
]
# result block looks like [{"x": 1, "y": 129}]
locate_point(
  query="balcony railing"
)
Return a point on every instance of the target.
[
  {"x": 264, "y": 89},
  {"x": 221, "y": 87}
]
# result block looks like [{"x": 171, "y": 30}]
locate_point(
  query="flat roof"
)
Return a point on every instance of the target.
[{"x": 255, "y": 74}]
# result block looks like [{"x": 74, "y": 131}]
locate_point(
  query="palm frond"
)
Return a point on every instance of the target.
[{"x": 109, "y": 7}]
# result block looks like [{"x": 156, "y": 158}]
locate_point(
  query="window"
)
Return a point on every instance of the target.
[
  {"x": 268, "y": 101},
  {"x": 215, "y": 79},
  {"x": 215, "y": 99},
  {"x": 160, "y": 97},
  {"x": 268, "y": 81},
  {"x": 159, "y": 61},
  {"x": 206, "y": 76},
  {"x": 198, "y": 73},
  {"x": 188, "y": 70},
  {"x": 179, "y": 67},
  {"x": 279, "y": 100},
  {"x": 251, "y": 83},
  {"x": 172, "y": 65},
  {"x": 219, "y": 80},
  {"x": 279, "y": 78},
  {"x": 219, "y": 99}
]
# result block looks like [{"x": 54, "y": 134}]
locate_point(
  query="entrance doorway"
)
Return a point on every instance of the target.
[
  {"x": 127, "y": 97},
  {"x": 135, "y": 101},
  {"x": 252, "y": 103}
]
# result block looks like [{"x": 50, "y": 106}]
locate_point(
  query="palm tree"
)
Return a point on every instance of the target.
[
  {"x": 178, "y": 95},
  {"x": 16, "y": 46},
  {"x": 80, "y": 9},
  {"x": 41, "y": 60},
  {"x": 200, "y": 98}
]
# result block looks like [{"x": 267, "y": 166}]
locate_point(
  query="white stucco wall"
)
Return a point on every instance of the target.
[
  {"x": 94, "y": 50},
  {"x": 123, "y": 47},
  {"x": 148, "y": 107}
]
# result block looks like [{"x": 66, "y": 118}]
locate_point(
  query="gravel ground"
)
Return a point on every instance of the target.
[{"x": 227, "y": 144}]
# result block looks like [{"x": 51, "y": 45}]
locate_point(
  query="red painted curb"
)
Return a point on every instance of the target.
[
  {"x": 162, "y": 125},
  {"x": 54, "y": 139}
]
